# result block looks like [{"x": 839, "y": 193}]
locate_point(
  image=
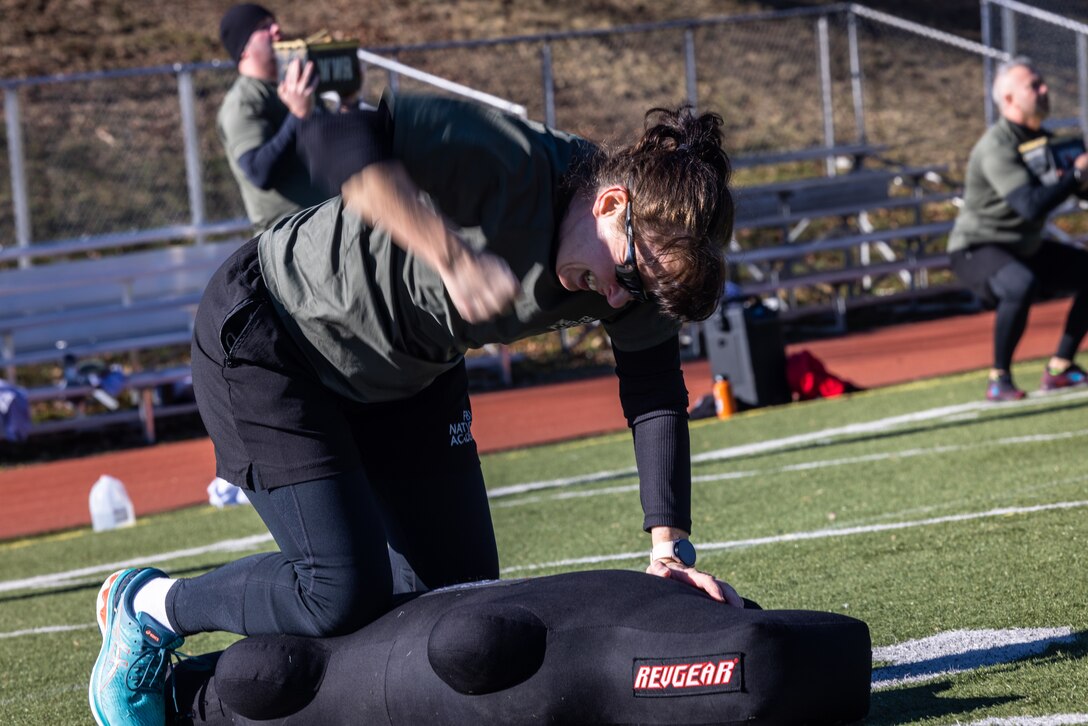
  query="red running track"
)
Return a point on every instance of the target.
[{"x": 53, "y": 496}]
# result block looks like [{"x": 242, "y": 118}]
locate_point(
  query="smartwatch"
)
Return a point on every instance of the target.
[{"x": 681, "y": 550}]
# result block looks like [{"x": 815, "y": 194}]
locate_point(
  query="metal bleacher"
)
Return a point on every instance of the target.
[
  {"x": 849, "y": 251},
  {"x": 122, "y": 303},
  {"x": 109, "y": 295}
]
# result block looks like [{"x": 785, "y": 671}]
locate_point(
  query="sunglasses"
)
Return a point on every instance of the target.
[{"x": 627, "y": 273}]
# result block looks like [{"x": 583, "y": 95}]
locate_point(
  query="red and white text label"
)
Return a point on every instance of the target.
[{"x": 687, "y": 676}]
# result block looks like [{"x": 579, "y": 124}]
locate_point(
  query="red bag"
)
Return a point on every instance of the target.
[{"x": 808, "y": 378}]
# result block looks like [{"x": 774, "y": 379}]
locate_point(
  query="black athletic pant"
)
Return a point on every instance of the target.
[
  {"x": 332, "y": 572},
  {"x": 1009, "y": 285},
  {"x": 334, "y": 480}
]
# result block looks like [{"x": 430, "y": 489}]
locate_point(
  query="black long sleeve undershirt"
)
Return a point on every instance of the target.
[
  {"x": 1035, "y": 201},
  {"x": 260, "y": 164},
  {"x": 338, "y": 145},
  {"x": 655, "y": 404}
]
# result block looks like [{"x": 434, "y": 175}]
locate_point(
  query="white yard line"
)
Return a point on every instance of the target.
[
  {"x": 1058, "y": 719},
  {"x": 810, "y": 535},
  {"x": 957, "y": 651},
  {"x": 60, "y": 579},
  {"x": 45, "y": 629},
  {"x": 808, "y": 466},
  {"x": 815, "y": 437},
  {"x": 255, "y": 541}
]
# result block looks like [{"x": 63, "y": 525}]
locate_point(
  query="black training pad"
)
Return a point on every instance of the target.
[{"x": 565, "y": 649}]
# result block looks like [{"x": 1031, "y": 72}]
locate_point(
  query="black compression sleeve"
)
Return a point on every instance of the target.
[
  {"x": 338, "y": 145},
  {"x": 1035, "y": 201},
  {"x": 663, "y": 457},
  {"x": 651, "y": 379},
  {"x": 260, "y": 164},
  {"x": 655, "y": 404}
]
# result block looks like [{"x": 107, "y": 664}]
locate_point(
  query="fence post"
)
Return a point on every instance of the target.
[
  {"x": 19, "y": 197},
  {"x": 689, "y": 68},
  {"x": 1008, "y": 30},
  {"x": 548, "y": 82},
  {"x": 1082, "y": 80},
  {"x": 193, "y": 169},
  {"x": 987, "y": 63},
  {"x": 825, "y": 90},
  {"x": 857, "y": 85}
]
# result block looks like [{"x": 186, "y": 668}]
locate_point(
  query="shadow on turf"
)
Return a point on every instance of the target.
[
  {"x": 881, "y": 435},
  {"x": 925, "y": 700},
  {"x": 93, "y": 586}
]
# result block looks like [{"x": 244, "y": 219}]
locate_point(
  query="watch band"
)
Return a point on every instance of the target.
[{"x": 680, "y": 550}]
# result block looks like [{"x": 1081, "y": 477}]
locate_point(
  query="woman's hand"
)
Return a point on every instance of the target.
[
  {"x": 296, "y": 90},
  {"x": 673, "y": 570},
  {"x": 481, "y": 285}
]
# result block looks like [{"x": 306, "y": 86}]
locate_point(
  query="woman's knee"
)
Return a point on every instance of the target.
[{"x": 344, "y": 603}]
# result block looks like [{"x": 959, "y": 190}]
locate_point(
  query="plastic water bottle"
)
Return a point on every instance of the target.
[
  {"x": 110, "y": 505},
  {"x": 724, "y": 405}
]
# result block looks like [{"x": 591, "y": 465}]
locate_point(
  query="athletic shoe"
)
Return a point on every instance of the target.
[
  {"x": 101, "y": 604},
  {"x": 128, "y": 682},
  {"x": 1072, "y": 376},
  {"x": 1002, "y": 389}
]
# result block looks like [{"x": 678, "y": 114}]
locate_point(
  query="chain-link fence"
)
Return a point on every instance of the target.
[
  {"x": 115, "y": 156},
  {"x": 1054, "y": 34},
  {"x": 101, "y": 156}
]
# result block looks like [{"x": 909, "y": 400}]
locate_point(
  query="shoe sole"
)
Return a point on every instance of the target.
[
  {"x": 1049, "y": 389},
  {"x": 102, "y": 601},
  {"x": 104, "y": 614}
]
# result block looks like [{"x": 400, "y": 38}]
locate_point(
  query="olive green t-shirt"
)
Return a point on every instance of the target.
[
  {"x": 375, "y": 321},
  {"x": 251, "y": 114},
  {"x": 994, "y": 169}
]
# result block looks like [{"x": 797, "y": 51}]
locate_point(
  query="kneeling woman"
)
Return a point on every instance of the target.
[{"x": 328, "y": 359}]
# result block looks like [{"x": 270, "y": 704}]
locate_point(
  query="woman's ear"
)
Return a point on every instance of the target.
[{"x": 610, "y": 200}]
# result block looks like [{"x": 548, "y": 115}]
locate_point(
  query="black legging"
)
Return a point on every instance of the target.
[
  {"x": 1055, "y": 268},
  {"x": 1014, "y": 286},
  {"x": 332, "y": 573}
]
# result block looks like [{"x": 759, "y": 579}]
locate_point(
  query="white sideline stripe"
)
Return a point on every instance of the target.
[
  {"x": 246, "y": 543},
  {"x": 959, "y": 651},
  {"x": 811, "y": 535},
  {"x": 254, "y": 541},
  {"x": 47, "y": 629},
  {"x": 1062, "y": 719},
  {"x": 811, "y": 465},
  {"x": 823, "y": 436},
  {"x": 60, "y": 579}
]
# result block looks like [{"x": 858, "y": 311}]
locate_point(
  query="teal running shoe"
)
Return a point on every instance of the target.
[{"x": 128, "y": 683}]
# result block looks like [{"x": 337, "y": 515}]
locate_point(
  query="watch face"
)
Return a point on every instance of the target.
[{"x": 684, "y": 551}]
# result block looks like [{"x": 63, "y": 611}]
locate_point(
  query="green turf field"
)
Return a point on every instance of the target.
[{"x": 956, "y": 529}]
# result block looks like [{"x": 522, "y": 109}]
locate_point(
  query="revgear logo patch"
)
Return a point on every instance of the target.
[{"x": 654, "y": 677}]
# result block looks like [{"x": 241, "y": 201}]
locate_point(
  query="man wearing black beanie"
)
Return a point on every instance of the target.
[{"x": 259, "y": 121}]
